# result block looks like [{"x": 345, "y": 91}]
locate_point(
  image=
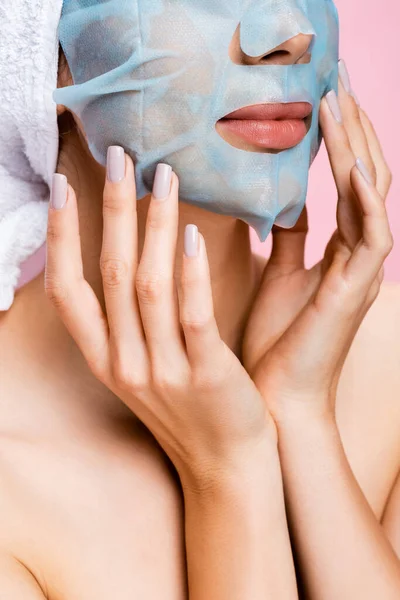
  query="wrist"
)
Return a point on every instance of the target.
[
  {"x": 303, "y": 424},
  {"x": 240, "y": 468},
  {"x": 294, "y": 410}
]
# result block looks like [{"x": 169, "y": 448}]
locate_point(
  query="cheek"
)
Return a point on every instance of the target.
[
  {"x": 177, "y": 32},
  {"x": 102, "y": 46},
  {"x": 80, "y": 127},
  {"x": 110, "y": 120}
]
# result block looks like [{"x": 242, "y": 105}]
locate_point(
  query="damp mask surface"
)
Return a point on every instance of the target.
[{"x": 155, "y": 76}]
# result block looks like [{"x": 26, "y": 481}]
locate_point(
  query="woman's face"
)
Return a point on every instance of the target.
[{"x": 160, "y": 77}]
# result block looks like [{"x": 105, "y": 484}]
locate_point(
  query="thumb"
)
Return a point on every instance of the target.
[{"x": 288, "y": 246}]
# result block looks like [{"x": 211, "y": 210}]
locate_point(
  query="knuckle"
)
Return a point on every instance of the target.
[
  {"x": 373, "y": 292},
  {"x": 353, "y": 110},
  {"x": 164, "y": 379},
  {"x": 390, "y": 242},
  {"x": 56, "y": 291},
  {"x": 96, "y": 359},
  {"x": 150, "y": 286},
  {"x": 196, "y": 324},
  {"x": 188, "y": 281},
  {"x": 340, "y": 293},
  {"x": 385, "y": 245},
  {"x": 113, "y": 202},
  {"x": 388, "y": 176},
  {"x": 127, "y": 377},
  {"x": 114, "y": 270},
  {"x": 156, "y": 219},
  {"x": 96, "y": 366},
  {"x": 375, "y": 289},
  {"x": 137, "y": 385},
  {"x": 53, "y": 233}
]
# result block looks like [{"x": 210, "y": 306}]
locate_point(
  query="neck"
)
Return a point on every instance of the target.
[{"x": 32, "y": 324}]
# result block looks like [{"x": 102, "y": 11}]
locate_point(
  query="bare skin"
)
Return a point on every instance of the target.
[
  {"x": 77, "y": 467},
  {"x": 86, "y": 419},
  {"x": 90, "y": 506}
]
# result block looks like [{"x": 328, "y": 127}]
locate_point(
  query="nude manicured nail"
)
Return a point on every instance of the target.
[
  {"x": 115, "y": 164},
  {"x": 59, "y": 191},
  {"x": 191, "y": 240},
  {"x": 344, "y": 76},
  {"x": 162, "y": 181},
  {"x": 333, "y": 103},
  {"x": 363, "y": 170}
]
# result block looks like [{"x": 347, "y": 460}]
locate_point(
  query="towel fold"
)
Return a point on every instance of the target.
[{"x": 28, "y": 131}]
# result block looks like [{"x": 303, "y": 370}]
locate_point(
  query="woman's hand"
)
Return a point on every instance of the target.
[
  {"x": 158, "y": 347},
  {"x": 298, "y": 337},
  {"x": 159, "y": 350},
  {"x": 304, "y": 321}
]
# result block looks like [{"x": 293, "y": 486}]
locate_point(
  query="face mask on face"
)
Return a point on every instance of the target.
[{"x": 155, "y": 76}]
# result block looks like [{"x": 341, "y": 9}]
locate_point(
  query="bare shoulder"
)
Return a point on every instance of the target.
[
  {"x": 368, "y": 401},
  {"x": 372, "y": 370},
  {"x": 112, "y": 501},
  {"x": 377, "y": 345},
  {"x": 385, "y": 312}
]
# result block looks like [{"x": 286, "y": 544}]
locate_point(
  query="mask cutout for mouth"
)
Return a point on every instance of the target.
[{"x": 155, "y": 76}]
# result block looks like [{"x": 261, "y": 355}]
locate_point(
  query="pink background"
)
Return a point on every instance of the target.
[
  {"x": 369, "y": 45},
  {"x": 369, "y": 38}
]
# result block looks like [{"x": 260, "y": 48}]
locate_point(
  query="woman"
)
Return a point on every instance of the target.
[{"x": 91, "y": 504}]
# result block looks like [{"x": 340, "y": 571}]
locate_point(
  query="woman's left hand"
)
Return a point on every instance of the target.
[
  {"x": 304, "y": 321},
  {"x": 156, "y": 343}
]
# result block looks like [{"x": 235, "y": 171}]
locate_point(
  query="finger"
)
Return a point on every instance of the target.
[
  {"x": 155, "y": 282},
  {"x": 352, "y": 121},
  {"x": 383, "y": 173},
  {"x": 365, "y": 264},
  {"x": 337, "y": 142},
  {"x": 342, "y": 160},
  {"x": 288, "y": 247},
  {"x": 65, "y": 286},
  {"x": 196, "y": 302},
  {"x": 119, "y": 255}
]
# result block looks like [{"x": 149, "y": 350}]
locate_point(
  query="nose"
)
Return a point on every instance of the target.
[{"x": 294, "y": 51}]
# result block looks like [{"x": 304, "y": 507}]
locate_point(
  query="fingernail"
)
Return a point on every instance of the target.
[
  {"x": 363, "y": 170},
  {"x": 162, "y": 181},
  {"x": 59, "y": 191},
  {"x": 115, "y": 164},
  {"x": 334, "y": 105},
  {"x": 344, "y": 76},
  {"x": 191, "y": 240}
]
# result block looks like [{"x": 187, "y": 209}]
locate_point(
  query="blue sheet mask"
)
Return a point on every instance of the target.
[{"x": 154, "y": 76}]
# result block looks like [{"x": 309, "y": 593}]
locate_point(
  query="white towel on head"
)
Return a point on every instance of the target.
[{"x": 28, "y": 131}]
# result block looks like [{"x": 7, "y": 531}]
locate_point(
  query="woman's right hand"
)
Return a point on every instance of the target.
[
  {"x": 304, "y": 320},
  {"x": 158, "y": 350}
]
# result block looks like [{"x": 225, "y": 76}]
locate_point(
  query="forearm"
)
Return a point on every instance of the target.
[
  {"x": 237, "y": 539},
  {"x": 342, "y": 549}
]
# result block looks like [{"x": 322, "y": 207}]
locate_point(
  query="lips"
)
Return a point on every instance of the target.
[{"x": 268, "y": 126}]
